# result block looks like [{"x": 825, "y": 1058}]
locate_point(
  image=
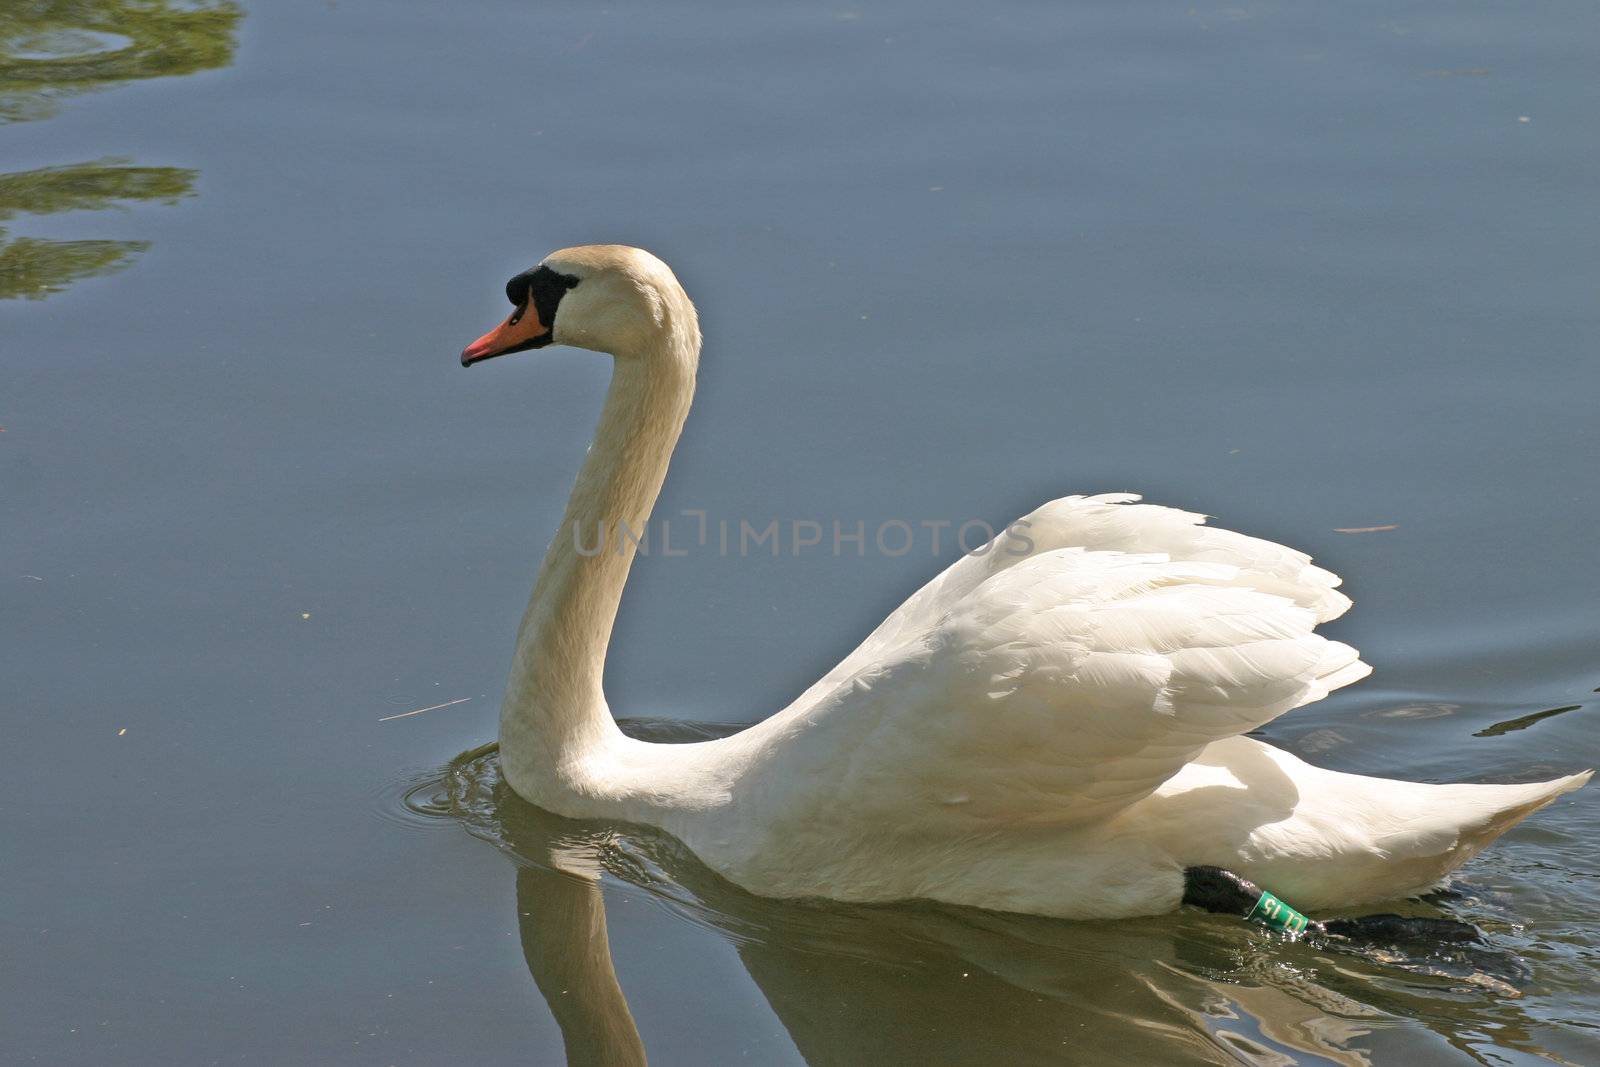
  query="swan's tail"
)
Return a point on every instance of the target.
[
  {"x": 1356, "y": 840},
  {"x": 1447, "y": 825},
  {"x": 1487, "y": 811}
]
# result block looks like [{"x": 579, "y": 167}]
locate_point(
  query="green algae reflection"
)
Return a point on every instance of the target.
[
  {"x": 50, "y": 49},
  {"x": 53, "y": 49},
  {"x": 35, "y": 268}
]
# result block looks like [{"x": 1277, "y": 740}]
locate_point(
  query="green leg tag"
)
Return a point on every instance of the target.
[{"x": 1272, "y": 912}]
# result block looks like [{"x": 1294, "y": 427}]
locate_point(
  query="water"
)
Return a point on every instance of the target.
[{"x": 1306, "y": 269}]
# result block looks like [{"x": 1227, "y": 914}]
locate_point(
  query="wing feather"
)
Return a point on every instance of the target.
[{"x": 1063, "y": 684}]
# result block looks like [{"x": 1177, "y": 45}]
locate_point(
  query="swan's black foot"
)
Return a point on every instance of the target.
[
  {"x": 1442, "y": 947},
  {"x": 1403, "y": 932},
  {"x": 1224, "y": 892},
  {"x": 1215, "y": 889}
]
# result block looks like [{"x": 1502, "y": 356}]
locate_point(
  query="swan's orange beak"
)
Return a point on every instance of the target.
[{"x": 520, "y": 332}]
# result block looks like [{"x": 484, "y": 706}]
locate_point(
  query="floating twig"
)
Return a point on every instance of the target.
[{"x": 419, "y": 711}]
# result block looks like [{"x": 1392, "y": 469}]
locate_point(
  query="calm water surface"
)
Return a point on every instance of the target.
[{"x": 1305, "y": 268}]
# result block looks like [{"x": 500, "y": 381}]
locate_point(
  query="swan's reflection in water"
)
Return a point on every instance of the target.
[
  {"x": 561, "y": 915},
  {"x": 929, "y": 984}
]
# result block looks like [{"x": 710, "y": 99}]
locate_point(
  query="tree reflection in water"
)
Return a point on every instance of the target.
[
  {"x": 52, "y": 49},
  {"x": 36, "y": 267},
  {"x": 922, "y": 983}
]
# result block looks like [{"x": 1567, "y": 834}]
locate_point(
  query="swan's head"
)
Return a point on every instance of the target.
[{"x": 610, "y": 298}]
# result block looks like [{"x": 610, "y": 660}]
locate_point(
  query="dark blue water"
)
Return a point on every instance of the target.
[{"x": 1304, "y": 268}]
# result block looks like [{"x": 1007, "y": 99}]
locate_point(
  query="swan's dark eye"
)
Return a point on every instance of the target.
[{"x": 516, "y": 316}]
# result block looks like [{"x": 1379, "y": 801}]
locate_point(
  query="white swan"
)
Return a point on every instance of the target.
[{"x": 1060, "y": 733}]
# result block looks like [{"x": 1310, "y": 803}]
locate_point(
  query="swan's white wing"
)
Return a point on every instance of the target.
[
  {"x": 1110, "y": 522},
  {"x": 1062, "y": 685}
]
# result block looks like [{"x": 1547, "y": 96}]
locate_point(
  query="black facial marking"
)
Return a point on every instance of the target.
[{"x": 544, "y": 288}]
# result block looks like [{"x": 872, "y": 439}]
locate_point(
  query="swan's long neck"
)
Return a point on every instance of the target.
[{"x": 555, "y": 709}]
